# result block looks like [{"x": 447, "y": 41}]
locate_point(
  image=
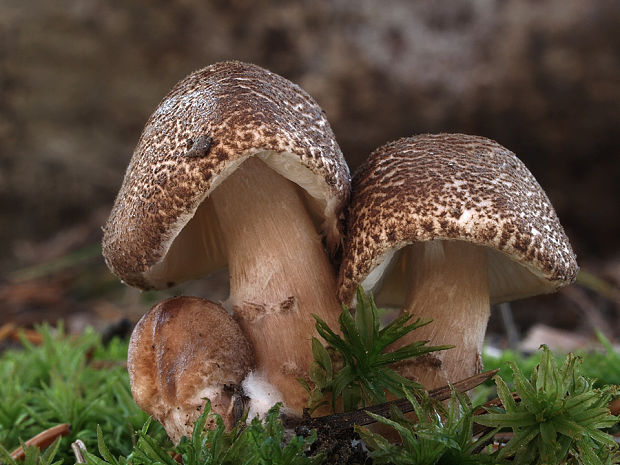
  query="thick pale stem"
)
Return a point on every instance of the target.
[
  {"x": 449, "y": 284},
  {"x": 279, "y": 273}
]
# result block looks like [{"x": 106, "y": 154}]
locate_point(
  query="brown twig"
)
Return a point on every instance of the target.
[
  {"x": 6, "y": 330},
  {"x": 341, "y": 421},
  {"x": 43, "y": 439},
  {"x": 13, "y": 332}
]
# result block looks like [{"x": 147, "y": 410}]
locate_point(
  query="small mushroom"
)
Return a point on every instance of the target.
[
  {"x": 181, "y": 352},
  {"x": 239, "y": 167},
  {"x": 445, "y": 225}
]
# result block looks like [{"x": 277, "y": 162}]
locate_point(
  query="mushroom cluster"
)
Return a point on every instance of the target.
[{"x": 239, "y": 168}]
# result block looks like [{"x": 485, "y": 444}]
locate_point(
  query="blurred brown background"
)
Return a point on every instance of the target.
[{"x": 79, "y": 78}]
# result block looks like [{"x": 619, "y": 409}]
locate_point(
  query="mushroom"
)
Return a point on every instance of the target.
[
  {"x": 182, "y": 351},
  {"x": 444, "y": 226},
  {"x": 239, "y": 167}
]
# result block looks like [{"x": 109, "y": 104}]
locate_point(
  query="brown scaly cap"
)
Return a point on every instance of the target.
[
  {"x": 456, "y": 187},
  {"x": 202, "y": 130},
  {"x": 183, "y": 350}
]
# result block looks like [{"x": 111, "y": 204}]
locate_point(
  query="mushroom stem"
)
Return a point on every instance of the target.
[
  {"x": 279, "y": 273},
  {"x": 449, "y": 284}
]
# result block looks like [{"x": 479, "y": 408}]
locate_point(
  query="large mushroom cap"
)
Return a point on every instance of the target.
[
  {"x": 182, "y": 351},
  {"x": 460, "y": 188},
  {"x": 161, "y": 230}
]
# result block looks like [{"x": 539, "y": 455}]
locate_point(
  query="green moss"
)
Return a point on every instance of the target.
[
  {"x": 562, "y": 416},
  {"x": 72, "y": 380}
]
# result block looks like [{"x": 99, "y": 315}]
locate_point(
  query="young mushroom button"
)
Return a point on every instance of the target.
[
  {"x": 444, "y": 226},
  {"x": 239, "y": 167},
  {"x": 182, "y": 351}
]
